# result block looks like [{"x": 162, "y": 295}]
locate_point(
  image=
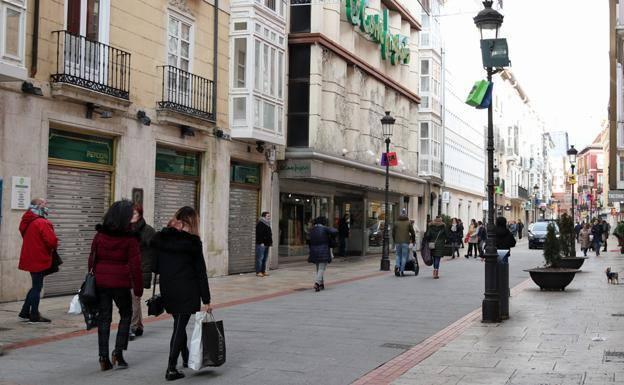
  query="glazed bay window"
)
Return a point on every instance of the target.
[
  {"x": 430, "y": 148},
  {"x": 240, "y": 62}
]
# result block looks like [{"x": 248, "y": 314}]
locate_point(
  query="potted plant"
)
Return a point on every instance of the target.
[
  {"x": 551, "y": 276},
  {"x": 567, "y": 237}
]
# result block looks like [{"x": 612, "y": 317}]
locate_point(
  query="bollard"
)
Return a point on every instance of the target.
[{"x": 502, "y": 270}]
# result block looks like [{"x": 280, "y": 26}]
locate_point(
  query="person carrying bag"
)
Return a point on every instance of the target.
[
  {"x": 207, "y": 342},
  {"x": 436, "y": 235}
]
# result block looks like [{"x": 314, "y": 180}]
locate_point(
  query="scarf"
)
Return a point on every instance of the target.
[
  {"x": 38, "y": 210},
  {"x": 453, "y": 228},
  {"x": 265, "y": 221}
]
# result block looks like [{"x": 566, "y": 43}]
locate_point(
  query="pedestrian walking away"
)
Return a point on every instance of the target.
[
  {"x": 343, "y": 235},
  {"x": 482, "y": 235},
  {"x": 520, "y": 228},
  {"x": 513, "y": 228},
  {"x": 606, "y": 229},
  {"x": 115, "y": 260},
  {"x": 264, "y": 240},
  {"x": 322, "y": 240},
  {"x": 455, "y": 237},
  {"x": 619, "y": 233},
  {"x": 436, "y": 235},
  {"x": 460, "y": 225},
  {"x": 39, "y": 242},
  {"x": 596, "y": 232},
  {"x": 144, "y": 233},
  {"x": 178, "y": 260},
  {"x": 403, "y": 234},
  {"x": 577, "y": 229},
  {"x": 473, "y": 239},
  {"x": 504, "y": 237},
  {"x": 584, "y": 238}
]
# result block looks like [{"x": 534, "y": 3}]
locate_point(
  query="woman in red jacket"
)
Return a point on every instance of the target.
[
  {"x": 36, "y": 255},
  {"x": 116, "y": 262}
]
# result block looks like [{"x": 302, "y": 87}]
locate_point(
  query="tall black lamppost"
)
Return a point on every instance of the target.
[
  {"x": 387, "y": 126},
  {"x": 572, "y": 158},
  {"x": 494, "y": 55},
  {"x": 591, "y": 195}
]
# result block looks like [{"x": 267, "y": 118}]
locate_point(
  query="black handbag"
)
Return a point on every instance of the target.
[
  {"x": 155, "y": 305},
  {"x": 56, "y": 262},
  {"x": 88, "y": 293}
]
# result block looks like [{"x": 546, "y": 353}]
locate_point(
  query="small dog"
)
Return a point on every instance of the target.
[{"x": 612, "y": 277}]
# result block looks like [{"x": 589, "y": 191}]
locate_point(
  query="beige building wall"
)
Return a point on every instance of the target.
[{"x": 139, "y": 28}]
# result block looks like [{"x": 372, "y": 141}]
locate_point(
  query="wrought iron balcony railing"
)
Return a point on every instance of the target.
[
  {"x": 92, "y": 65},
  {"x": 187, "y": 93},
  {"x": 523, "y": 193}
]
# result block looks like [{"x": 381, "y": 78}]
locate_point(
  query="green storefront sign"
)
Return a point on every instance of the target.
[
  {"x": 174, "y": 162},
  {"x": 81, "y": 148},
  {"x": 245, "y": 174},
  {"x": 393, "y": 47}
]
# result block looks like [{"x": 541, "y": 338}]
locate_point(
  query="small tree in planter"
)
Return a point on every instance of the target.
[
  {"x": 566, "y": 234},
  {"x": 552, "y": 247}
]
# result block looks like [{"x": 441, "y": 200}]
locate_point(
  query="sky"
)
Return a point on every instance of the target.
[{"x": 559, "y": 51}]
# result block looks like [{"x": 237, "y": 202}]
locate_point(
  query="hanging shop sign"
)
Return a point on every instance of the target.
[
  {"x": 389, "y": 159},
  {"x": 393, "y": 47}
]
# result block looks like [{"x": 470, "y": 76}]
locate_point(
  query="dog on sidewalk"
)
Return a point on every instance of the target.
[{"x": 612, "y": 277}]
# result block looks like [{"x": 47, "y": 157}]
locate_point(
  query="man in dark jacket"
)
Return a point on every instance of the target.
[
  {"x": 322, "y": 240},
  {"x": 577, "y": 230},
  {"x": 606, "y": 230},
  {"x": 264, "y": 240},
  {"x": 144, "y": 232},
  {"x": 36, "y": 255},
  {"x": 504, "y": 238},
  {"x": 597, "y": 231},
  {"x": 343, "y": 235},
  {"x": 403, "y": 234}
]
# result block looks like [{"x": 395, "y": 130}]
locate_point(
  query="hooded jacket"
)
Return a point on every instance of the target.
[
  {"x": 321, "y": 239},
  {"x": 436, "y": 232},
  {"x": 402, "y": 230},
  {"x": 116, "y": 260},
  {"x": 39, "y": 242},
  {"x": 179, "y": 260}
]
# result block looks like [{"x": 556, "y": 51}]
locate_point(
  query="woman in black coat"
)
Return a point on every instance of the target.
[
  {"x": 322, "y": 239},
  {"x": 179, "y": 260}
]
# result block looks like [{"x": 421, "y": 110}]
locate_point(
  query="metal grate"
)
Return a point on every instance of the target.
[
  {"x": 617, "y": 315},
  {"x": 613, "y": 356}
]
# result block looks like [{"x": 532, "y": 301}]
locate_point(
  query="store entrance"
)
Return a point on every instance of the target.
[{"x": 355, "y": 210}]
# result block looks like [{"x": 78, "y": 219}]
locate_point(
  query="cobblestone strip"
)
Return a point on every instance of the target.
[
  {"x": 393, "y": 369},
  {"x": 264, "y": 297}
]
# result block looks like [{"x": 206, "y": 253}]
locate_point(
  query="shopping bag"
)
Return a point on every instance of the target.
[
  {"x": 74, "y": 306},
  {"x": 196, "y": 348},
  {"x": 425, "y": 254},
  {"x": 213, "y": 341}
]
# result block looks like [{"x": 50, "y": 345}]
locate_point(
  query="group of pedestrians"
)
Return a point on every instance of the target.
[
  {"x": 593, "y": 236},
  {"x": 125, "y": 251}
]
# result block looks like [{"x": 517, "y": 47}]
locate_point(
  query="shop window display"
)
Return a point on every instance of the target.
[{"x": 296, "y": 218}]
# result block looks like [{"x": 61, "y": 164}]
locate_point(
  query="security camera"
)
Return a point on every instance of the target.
[{"x": 143, "y": 118}]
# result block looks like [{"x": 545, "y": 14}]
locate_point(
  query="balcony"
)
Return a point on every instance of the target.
[
  {"x": 523, "y": 193},
  {"x": 185, "y": 96},
  {"x": 91, "y": 71}
]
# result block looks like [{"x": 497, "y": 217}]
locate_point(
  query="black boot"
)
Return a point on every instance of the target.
[
  {"x": 117, "y": 358},
  {"x": 396, "y": 271},
  {"x": 317, "y": 287},
  {"x": 173, "y": 374}
]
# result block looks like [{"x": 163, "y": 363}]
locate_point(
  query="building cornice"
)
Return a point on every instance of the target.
[
  {"x": 394, "y": 5},
  {"x": 337, "y": 49}
]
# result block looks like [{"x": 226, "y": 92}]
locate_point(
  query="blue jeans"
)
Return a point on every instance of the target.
[
  {"x": 436, "y": 262},
  {"x": 402, "y": 253},
  {"x": 597, "y": 245},
  {"x": 262, "y": 254},
  {"x": 31, "y": 303}
]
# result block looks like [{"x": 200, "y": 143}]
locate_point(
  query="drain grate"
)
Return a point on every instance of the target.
[
  {"x": 617, "y": 315},
  {"x": 397, "y": 346},
  {"x": 613, "y": 356},
  {"x": 5, "y": 329}
]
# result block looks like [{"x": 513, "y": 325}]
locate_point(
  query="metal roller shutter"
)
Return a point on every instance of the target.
[
  {"x": 78, "y": 200},
  {"x": 169, "y": 196},
  {"x": 242, "y": 229}
]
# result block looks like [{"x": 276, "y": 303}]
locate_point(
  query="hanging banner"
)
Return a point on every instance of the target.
[{"x": 389, "y": 159}]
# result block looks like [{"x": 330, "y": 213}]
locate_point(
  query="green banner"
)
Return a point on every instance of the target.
[
  {"x": 246, "y": 174},
  {"x": 82, "y": 148},
  {"x": 176, "y": 162}
]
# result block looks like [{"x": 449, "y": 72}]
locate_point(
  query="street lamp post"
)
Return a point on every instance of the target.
[
  {"x": 591, "y": 195},
  {"x": 489, "y": 21},
  {"x": 572, "y": 157},
  {"x": 387, "y": 126}
]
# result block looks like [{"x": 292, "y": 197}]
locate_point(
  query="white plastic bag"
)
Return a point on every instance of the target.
[
  {"x": 196, "y": 348},
  {"x": 74, "y": 306}
]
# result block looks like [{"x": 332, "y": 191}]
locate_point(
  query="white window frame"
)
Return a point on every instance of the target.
[
  {"x": 104, "y": 22},
  {"x": 182, "y": 18},
  {"x": 235, "y": 65},
  {"x": 21, "y": 36}
]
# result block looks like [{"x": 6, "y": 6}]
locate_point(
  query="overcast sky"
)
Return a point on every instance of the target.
[{"x": 559, "y": 50}]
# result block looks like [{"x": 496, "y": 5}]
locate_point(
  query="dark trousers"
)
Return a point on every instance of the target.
[
  {"x": 342, "y": 249},
  {"x": 31, "y": 303},
  {"x": 471, "y": 247},
  {"x": 178, "y": 340},
  {"x": 123, "y": 300}
]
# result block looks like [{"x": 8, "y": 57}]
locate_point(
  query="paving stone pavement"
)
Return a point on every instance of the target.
[
  {"x": 552, "y": 338},
  {"x": 332, "y": 337}
]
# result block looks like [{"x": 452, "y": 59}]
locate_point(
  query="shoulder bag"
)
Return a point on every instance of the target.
[
  {"x": 432, "y": 244},
  {"x": 87, "y": 293},
  {"x": 155, "y": 305}
]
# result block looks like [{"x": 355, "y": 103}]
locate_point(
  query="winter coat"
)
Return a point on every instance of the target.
[
  {"x": 343, "y": 228},
  {"x": 402, "y": 230},
  {"x": 116, "y": 260},
  {"x": 597, "y": 231},
  {"x": 454, "y": 236},
  {"x": 460, "y": 228},
  {"x": 179, "y": 260},
  {"x": 472, "y": 233},
  {"x": 482, "y": 233},
  {"x": 39, "y": 242},
  {"x": 520, "y": 227},
  {"x": 321, "y": 241},
  {"x": 264, "y": 234},
  {"x": 436, "y": 232},
  {"x": 504, "y": 238},
  {"x": 145, "y": 233},
  {"x": 584, "y": 238}
]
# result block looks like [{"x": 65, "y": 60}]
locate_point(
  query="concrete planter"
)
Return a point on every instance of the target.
[
  {"x": 552, "y": 278},
  {"x": 571, "y": 262}
]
